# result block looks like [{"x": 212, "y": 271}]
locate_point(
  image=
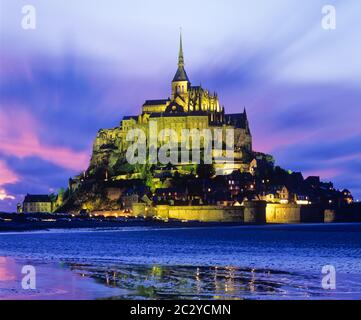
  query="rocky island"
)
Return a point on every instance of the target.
[{"x": 246, "y": 186}]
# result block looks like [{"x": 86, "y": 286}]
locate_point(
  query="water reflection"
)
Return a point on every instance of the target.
[
  {"x": 7, "y": 269},
  {"x": 197, "y": 282}
]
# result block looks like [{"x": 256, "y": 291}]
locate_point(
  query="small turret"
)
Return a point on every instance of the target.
[{"x": 246, "y": 121}]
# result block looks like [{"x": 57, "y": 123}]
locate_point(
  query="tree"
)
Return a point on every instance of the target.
[{"x": 146, "y": 174}]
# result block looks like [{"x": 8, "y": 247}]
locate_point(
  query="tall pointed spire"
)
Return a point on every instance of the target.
[
  {"x": 181, "y": 74},
  {"x": 180, "y": 56}
]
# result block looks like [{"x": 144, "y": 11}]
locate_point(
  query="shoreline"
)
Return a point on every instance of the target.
[
  {"x": 6, "y": 227},
  {"x": 34, "y": 226}
]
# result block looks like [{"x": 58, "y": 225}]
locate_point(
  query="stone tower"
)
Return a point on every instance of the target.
[{"x": 180, "y": 83}]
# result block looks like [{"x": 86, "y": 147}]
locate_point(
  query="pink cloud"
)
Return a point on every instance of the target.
[
  {"x": 6, "y": 177},
  {"x": 5, "y": 196},
  {"x": 268, "y": 142},
  {"x": 19, "y": 137}
]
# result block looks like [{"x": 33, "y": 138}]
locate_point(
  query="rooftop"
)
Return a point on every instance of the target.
[
  {"x": 155, "y": 102},
  {"x": 37, "y": 198}
]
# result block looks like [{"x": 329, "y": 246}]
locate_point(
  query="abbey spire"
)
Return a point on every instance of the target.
[
  {"x": 180, "y": 56},
  {"x": 181, "y": 74}
]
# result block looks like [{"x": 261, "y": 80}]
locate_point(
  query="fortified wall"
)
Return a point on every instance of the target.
[
  {"x": 293, "y": 213},
  {"x": 249, "y": 213},
  {"x": 351, "y": 213},
  {"x": 253, "y": 212},
  {"x": 200, "y": 213}
]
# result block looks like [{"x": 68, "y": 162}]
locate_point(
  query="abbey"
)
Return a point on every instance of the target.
[
  {"x": 249, "y": 188},
  {"x": 188, "y": 107}
]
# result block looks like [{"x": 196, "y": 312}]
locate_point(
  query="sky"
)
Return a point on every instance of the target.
[{"x": 88, "y": 63}]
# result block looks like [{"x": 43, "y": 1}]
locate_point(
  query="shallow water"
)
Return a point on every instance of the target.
[{"x": 251, "y": 262}]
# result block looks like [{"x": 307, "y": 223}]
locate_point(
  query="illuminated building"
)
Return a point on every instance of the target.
[
  {"x": 37, "y": 203},
  {"x": 188, "y": 107}
]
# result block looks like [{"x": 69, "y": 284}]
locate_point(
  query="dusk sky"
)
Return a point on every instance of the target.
[{"x": 89, "y": 63}]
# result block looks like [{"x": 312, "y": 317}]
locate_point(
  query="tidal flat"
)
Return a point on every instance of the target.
[{"x": 218, "y": 262}]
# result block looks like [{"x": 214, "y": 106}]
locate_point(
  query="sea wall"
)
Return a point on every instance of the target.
[
  {"x": 251, "y": 212},
  {"x": 201, "y": 213},
  {"x": 258, "y": 212},
  {"x": 293, "y": 213},
  {"x": 254, "y": 212},
  {"x": 350, "y": 213}
]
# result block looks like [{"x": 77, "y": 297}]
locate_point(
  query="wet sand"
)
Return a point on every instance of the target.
[
  {"x": 242, "y": 262},
  {"x": 54, "y": 281}
]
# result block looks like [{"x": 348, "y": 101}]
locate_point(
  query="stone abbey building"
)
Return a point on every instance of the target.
[
  {"x": 188, "y": 107},
  {"x": 249, "y": 188}
]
